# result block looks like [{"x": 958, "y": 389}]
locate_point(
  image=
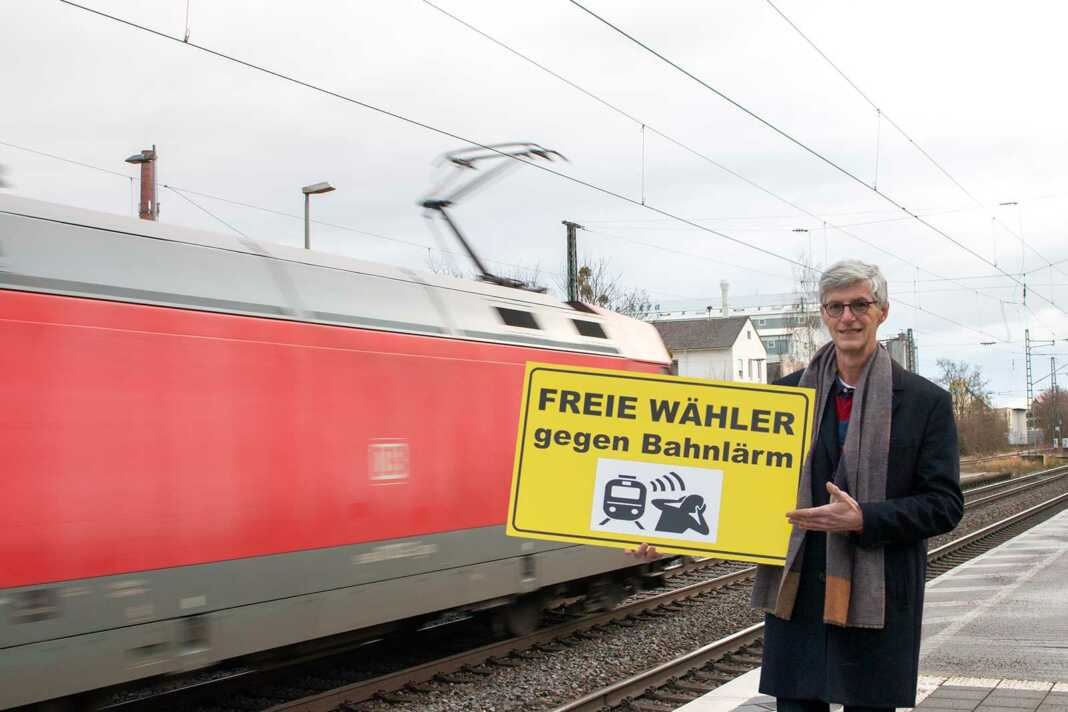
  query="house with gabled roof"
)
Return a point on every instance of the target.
[{"x": 720, "y": 348}]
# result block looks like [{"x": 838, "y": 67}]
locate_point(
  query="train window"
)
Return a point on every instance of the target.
[
  {"x": 515, "y": 317},
  {"x": 589, "y": 328}
]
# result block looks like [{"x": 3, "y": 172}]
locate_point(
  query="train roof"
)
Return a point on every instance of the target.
[{"x": 142, "y": 261}]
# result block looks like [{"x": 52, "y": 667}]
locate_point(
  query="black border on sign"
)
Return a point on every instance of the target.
[{"x": 523, "y": 445}]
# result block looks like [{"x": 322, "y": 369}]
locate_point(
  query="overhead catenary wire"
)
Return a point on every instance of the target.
[
  {"x": 684, "y": 253},
  {"x": 69, "y": 160},
  {"x": 429, "y": 127},
  {"x": 358, "y": 231},
  {"x": 458, "y": 137},
  {"x": 1025, "y": 243},
  {"x": 680, "y": 144},
  {"x": 542, "y": 167},
  {"x": 185, "y": 192},
  {"x": 800, "y": 144},
  {"x": 1059, "y": 369},
  {"x": 200, "y": 207},
  {"x": 882, "y": 116}
]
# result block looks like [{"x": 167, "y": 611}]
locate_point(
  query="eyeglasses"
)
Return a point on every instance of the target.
[{"x": 859, "y": 307}]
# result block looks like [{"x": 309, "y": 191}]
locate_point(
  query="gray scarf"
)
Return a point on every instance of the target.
[{"x": 855, "y": 593}]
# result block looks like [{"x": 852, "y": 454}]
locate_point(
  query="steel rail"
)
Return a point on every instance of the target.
[
  {"x": 1016, "y": 484},
  {"x": 392, "y": 682},
  {"x": 1004, "y": 455},
  {"x": 670, "y": 671},
  {"x": 995, "y": 528}
]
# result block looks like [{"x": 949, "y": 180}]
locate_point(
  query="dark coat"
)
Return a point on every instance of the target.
[{"x": 807, "y": 659}]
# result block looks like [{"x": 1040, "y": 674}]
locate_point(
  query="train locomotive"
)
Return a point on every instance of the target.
[{"x": 214, "y": 446}]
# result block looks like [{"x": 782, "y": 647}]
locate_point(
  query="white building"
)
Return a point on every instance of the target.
[
  {"x": 722, "y": 348},
  {"x": 1016, "y": 418},
  {"x": 788, "y": 324}
]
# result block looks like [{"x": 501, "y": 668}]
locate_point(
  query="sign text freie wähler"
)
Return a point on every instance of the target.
[{"x": 616, "y": 458}]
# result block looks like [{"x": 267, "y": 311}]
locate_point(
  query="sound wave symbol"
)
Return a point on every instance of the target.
[{"x": 666, "y": 483}]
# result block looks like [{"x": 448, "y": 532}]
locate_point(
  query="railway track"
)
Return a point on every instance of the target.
[
  {"x": 497, "y": 654},
  {"x": 683, "y": 576},
  {"x": 481, "y": 661},
  {"x": 998, "y": 490}
]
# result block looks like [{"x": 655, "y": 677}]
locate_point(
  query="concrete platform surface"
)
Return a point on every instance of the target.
[{"x": 1003, "y": 614}]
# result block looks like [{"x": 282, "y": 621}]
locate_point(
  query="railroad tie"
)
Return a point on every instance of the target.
[
  {"x": 713, "y": 676},
  {"x": 645, "y": 706},
  {"x": 667, "y": 695},
  {"x": 747, "y": 657},
  {"x": 732, "y": 667},
  {"x": 392, "y": 698}
]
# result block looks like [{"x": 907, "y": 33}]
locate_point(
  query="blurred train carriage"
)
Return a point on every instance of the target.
[{"x": 213, "y": 446}]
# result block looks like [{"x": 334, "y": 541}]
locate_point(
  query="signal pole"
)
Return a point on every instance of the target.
[
  {"x": 910, "y": 353},
  {"x": 1030, "y": 380},
  {"x": 572, "y": 260},
  {"x": 1055, "y": 416}
]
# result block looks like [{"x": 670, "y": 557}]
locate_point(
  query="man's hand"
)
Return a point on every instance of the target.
[
  {"x": 841, "y": 515},
  {"x": 645, "y": 552}
]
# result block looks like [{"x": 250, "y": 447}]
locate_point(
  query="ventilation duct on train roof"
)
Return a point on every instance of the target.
[{"x": 466, "y": 159}]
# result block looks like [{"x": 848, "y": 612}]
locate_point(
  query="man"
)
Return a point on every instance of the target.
[{"x": 844, "y": 613}]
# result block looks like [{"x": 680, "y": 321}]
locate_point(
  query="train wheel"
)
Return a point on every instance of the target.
[
  {"x": 521, "y": 617},
  {"x": 605, "y": 594}
]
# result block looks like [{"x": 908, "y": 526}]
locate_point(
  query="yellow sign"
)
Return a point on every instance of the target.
[{"x": 697, "y": 467}]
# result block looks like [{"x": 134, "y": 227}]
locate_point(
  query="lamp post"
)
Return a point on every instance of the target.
[{"x": 310, "y": 190}]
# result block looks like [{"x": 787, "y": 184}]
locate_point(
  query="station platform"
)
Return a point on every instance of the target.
[{"x": 995, "y": 634}]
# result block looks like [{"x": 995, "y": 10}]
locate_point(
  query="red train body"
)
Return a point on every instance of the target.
[{"x": 204, "y": 434}]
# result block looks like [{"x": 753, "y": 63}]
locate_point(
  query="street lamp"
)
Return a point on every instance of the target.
[
  {"x": 310, "y": 190},
  {"x": 810, "y": 259}
]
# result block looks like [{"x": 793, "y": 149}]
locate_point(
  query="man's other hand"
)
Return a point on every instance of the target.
[
  {"x": 841, "y": 515},
  {"x": 645, "y": 552}
]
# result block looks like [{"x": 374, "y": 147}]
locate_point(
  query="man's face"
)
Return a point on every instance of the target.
[{"x": 853, "y": 333}]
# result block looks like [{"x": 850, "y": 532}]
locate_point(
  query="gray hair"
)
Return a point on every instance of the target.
[{"x": 848, "y": 272}]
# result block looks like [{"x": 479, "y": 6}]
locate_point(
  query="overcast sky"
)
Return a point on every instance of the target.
[{"x": 979, "y": 86}]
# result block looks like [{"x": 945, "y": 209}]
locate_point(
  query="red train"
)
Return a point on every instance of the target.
[{"x": 213, "y": 446}]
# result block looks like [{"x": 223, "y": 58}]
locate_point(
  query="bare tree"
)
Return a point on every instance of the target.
[
  {"x": 529, "y": 277},
  {"x": 599, "y": 285},
  {"x": 443, "y": 264},
  {"x": 1050, "y": 411},
  {"x": 807, "y": 334},
  {"x": 633, "y": 302},
  {"x": 981, "y": 428}
]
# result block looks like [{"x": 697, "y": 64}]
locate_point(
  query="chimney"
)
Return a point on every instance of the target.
[
  {"x": 723, "y": 287},
  {"x": 149, "y": 208}
]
